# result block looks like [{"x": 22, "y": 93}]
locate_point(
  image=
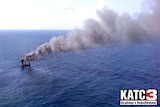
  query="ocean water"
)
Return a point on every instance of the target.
[{"x": 92, "y": 78}]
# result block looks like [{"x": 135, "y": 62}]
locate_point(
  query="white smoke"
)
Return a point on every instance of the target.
[{"x": 110, "y": 28}]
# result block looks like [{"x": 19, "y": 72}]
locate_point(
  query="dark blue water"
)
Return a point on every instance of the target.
[{"x": 92, "y": 78}]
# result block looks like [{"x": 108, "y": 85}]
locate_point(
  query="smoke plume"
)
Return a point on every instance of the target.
[{"x": 109, "y": 28}]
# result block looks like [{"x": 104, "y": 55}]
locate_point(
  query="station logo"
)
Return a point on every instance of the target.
[{"x": 138, "y": 97}]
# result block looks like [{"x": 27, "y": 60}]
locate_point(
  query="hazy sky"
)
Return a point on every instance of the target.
[{"x": 57, "y": 14}]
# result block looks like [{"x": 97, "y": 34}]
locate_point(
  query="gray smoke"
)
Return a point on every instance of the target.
[{"x": 109, "y": 28}]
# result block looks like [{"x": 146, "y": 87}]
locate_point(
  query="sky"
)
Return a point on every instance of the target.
[{"x": 57, "y": 14}]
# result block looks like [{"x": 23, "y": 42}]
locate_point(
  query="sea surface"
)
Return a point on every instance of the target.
[{"x": 90, "y": 78}]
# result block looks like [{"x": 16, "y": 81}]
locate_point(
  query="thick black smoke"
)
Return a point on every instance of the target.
[{"x": 109, "y": 28}]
